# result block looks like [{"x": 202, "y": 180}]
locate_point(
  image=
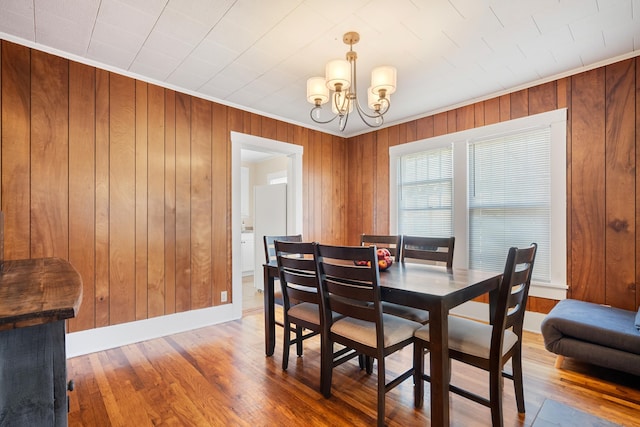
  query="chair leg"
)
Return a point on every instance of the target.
[
  {"x": 418, "y": 370},
  {"x": 368, "y": 361},
  {"x": 516, "y": 363},
  {"x": 381, "y": 391},
  {"x": 299, "y": 332},
  {"x": 286, "y": 344},
  {"x": 326, "y": 366},
  {"x": 495, "y": 395}
]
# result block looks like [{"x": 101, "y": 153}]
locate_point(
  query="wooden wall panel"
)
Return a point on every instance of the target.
[
  {"x": 465, "y": 118},
  {"x": 183, "y": 202},
  {"x": 588, "y": 190},
  {"x": 16, "y": 137},
  {"x": 49, "y": 149},
  {"x": 328, "y": 232},
  {"x": 221, "y": 203},
  {"x": 478, "y": 114},
  {"x": 82, "y": 87},
  {"x": 169, "y": 202},
  {"x": 201, "y": 219},
  {"x": 156, "y": 201},
  {"x": 492, "y": 111},
  {"x": 354, "y": 192},
  {"x": 367, "y": 173},
  {"x": 122, "y": 199},
  {"x": 102, "y": 200},
  {"x": 505, "y": 108},
  {"x": 137, "y": 190},
  {"x": 543, "y": 98},
  {"x": 519, "y": 104},
  {"x": 197, "y": 135},
  {"x": 637, "y": 261},
  {"x": 603, "y": 123},
  {"x": 339, "y": 185},
  {"x": 381, "y": 176},
  {"x": 424, "y": 128},
  {"x": 318, "y": 208},
  {"x": 620, "y": 153},
  {"x": 142, "y": 236},
  {"x": 440, "y": 126}
]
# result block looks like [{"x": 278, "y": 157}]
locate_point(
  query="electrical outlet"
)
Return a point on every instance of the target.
[{"x": 223, "y": 296}]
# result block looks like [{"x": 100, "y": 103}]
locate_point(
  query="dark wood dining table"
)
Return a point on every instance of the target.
[{"x": 427, "y": 287}]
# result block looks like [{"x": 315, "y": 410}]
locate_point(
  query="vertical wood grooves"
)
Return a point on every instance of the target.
[
  {"x": 603, "y": 133},
  {"x": 141, "y": 201},
  {"x": 132, "y": 183}
]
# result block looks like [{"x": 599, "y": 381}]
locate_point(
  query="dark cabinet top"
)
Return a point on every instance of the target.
[{"x": 36, "y": 291}]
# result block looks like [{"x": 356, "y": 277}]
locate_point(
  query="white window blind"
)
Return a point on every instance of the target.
[
  {"x": 425, "y": 189},
  {"x": 509, "y": 198}
]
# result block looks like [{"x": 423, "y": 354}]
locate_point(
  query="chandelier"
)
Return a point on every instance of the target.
[{"x": 340, "y": 79}]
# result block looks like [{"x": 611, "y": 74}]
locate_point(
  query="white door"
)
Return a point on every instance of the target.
[{"x": 269, "y": 219}]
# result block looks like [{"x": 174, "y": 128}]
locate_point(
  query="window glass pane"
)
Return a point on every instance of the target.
[
  {"x": 510, "y": 198},
  {"x": 425, "y": 190}
]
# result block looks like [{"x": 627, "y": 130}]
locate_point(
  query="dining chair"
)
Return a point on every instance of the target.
[
  {"x": 270, "y": 257},
  {"x": 391, "y": 242},
  {"x": 353, "y": 291},
  {"x": 488, "y": 346},
  {"x": 301, "y": 297},
  {"x": 435, "y": 249}
]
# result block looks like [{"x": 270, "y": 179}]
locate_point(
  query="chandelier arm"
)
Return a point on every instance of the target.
[
  {"x": 362, "y": 111},
  {"x": 364, "y": 117},
  {"x": 322, "y": 122}
]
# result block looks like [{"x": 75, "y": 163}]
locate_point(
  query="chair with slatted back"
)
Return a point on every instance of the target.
[
  {"x": 430, "y": 249},
  {"x": 434, "y": 249},
  {"x": 489, "y": 346},
  {"x": 270, "y": 257},
  {"x": 353, "y": 291},
  {"x": 391, "y": 242},
  {"x": 301, "y": 297}
]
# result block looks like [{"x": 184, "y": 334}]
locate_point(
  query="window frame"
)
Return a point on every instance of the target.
[{"x": 557, "y": 121}]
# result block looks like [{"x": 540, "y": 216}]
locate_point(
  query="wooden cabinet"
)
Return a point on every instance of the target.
[
  {"x": 246, "y": 249},
  {"x": 36, "y": 296}
]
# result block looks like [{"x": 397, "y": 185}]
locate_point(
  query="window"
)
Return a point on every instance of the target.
[
  {"x": 279, "y": 177},
  {"x": 425, "y": 196},
  {"x": 492, "y": 187}
]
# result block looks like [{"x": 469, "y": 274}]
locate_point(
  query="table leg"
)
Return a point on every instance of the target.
[
  {"x": 269, "y": 313},
  {"x": 439, "y": 354}
]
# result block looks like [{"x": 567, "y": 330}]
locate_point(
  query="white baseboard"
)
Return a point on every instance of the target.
[{"x": 98, "y": 339}]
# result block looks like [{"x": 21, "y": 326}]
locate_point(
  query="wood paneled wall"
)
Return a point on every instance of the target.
[
  {"x": 132, "y": 184},
  {"x": 603, "y": 148}
]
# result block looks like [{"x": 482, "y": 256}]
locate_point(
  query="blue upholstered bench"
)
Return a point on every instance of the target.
[{"x": 594, "y": 333}]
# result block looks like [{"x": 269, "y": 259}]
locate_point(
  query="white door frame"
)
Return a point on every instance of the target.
[{"x": 294, "y": 199}]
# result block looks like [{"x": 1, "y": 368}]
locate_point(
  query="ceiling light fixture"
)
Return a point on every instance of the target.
[{"x": 340, "y": 78}]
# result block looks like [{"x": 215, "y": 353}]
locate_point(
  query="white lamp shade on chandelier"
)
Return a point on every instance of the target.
[
  {"x": 383, "y": 78},
  {"x": 339, "y": 87},
  {"x": 338, "y": 74},
  {"x": 317, "y": 90}
]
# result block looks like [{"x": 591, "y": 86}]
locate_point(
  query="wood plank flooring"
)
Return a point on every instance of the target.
[{"x": 219, "y": 376}]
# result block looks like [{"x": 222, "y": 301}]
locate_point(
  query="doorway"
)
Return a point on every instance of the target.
[{"x": 240, "y": 142}]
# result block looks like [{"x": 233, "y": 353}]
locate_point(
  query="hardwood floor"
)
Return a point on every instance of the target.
[{"x": 219, "y": 376}]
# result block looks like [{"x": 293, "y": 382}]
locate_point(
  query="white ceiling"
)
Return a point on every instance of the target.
[{"x": 258, "y": 54}]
